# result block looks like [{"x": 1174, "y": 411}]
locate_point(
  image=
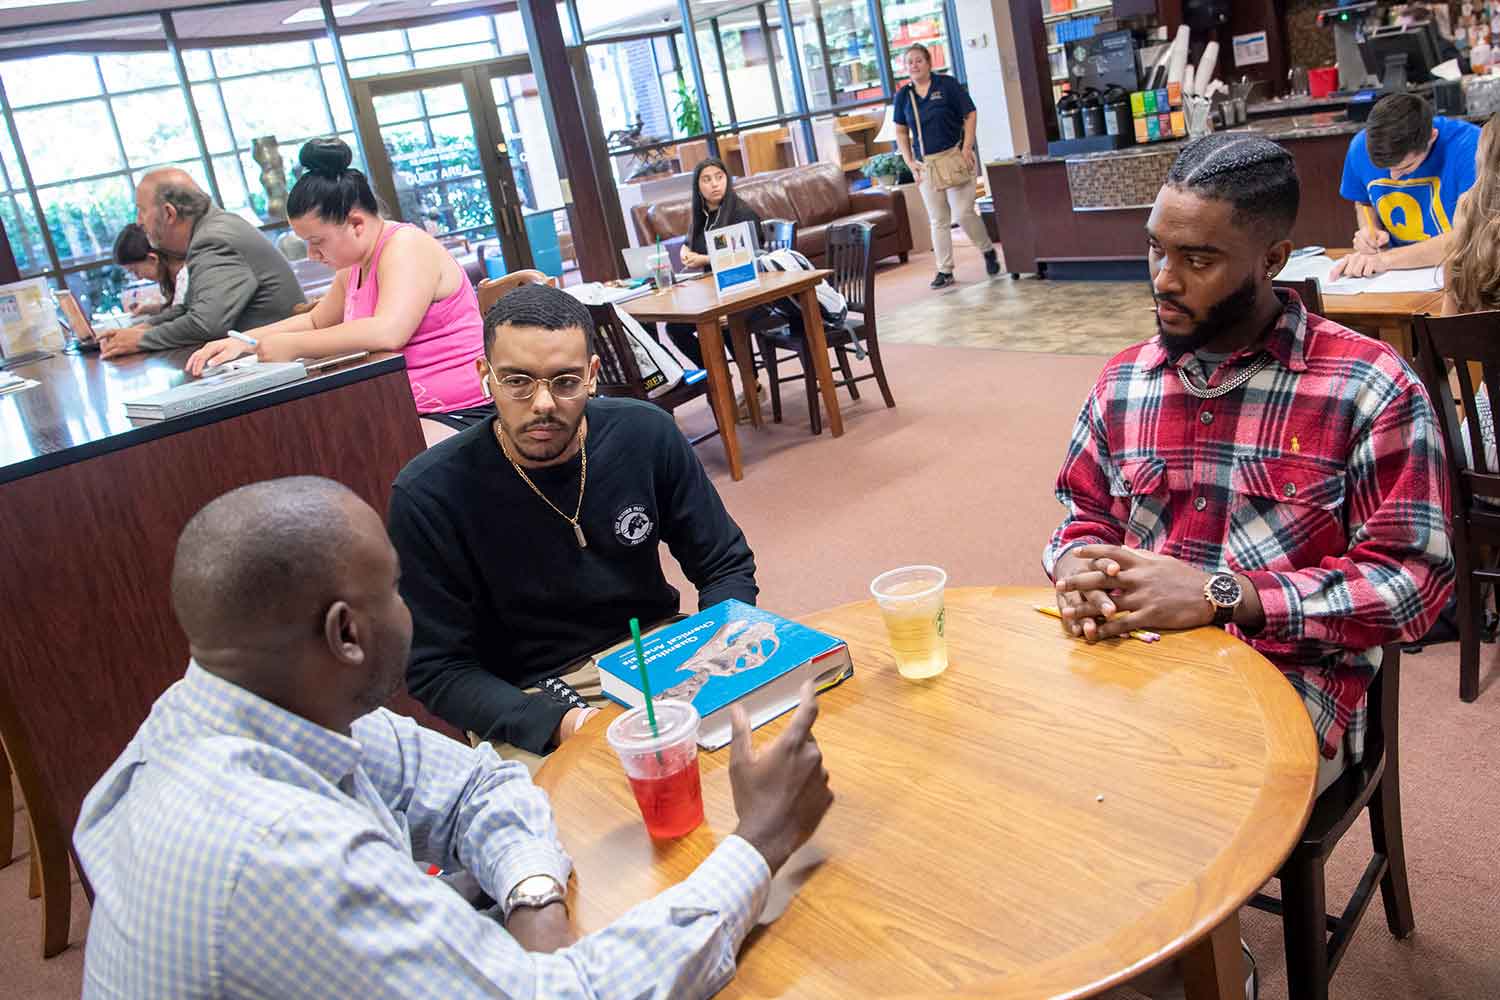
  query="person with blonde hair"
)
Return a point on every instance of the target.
[{"x": 1472, "y": 281}]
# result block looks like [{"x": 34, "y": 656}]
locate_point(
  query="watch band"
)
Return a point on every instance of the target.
[
  {"x": 554, "y": 893},
  {"x": 1223, "y": 615}
]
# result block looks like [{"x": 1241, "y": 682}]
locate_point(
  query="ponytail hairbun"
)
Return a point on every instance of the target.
[{"x": 329, "y": 157}]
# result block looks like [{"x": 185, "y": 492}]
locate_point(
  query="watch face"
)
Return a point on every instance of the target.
[{"x": 1224, "y": 590}]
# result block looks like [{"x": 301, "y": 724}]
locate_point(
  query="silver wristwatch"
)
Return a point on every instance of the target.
[{"x": 535, "y": 892}]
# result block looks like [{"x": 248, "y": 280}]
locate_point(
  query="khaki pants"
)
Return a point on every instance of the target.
[
  {"x": 585, "y": 680},
  {"x": 942, "y": 207}
]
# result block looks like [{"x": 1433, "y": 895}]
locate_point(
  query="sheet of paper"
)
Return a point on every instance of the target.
[
  {"x": 1422, "y": 279},
  {"x": 1302, "y": 268}
]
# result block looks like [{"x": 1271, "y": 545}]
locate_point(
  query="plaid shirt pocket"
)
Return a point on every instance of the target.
[
  {"x": 1140, "y": 499},
  {"x": 1284, "y": 513}
]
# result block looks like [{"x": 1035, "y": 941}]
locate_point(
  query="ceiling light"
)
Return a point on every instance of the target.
[
  {"x": 316, "y": 13},
  {"x": 449, "y": 3},
  {"x": 17, "y": 4}
]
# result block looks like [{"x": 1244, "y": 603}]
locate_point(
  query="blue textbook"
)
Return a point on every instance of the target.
[{"x": 727, "y": 654}]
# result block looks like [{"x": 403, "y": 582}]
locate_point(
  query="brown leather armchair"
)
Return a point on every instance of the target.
[{"x": 816, "y": 196}]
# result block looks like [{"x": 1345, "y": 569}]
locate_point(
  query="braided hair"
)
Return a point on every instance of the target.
[{"x": 1254, "y": 174}]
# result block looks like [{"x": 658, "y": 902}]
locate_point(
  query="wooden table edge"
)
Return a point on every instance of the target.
[{"x": 1269, "y": 688}]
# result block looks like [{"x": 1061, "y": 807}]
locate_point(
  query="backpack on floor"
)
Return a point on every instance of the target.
[
  {"x": 832, "y": 305},
  {"x": 660, "y": 369}
]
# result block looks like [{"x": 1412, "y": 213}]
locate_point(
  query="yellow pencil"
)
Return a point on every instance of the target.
[{"x": 1140, "y": 633}]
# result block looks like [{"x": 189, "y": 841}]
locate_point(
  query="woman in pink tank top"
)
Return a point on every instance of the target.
[{"x": 397, "y": 289}]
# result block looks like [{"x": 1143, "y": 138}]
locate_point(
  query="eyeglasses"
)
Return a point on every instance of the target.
[{"x": 521, "y": 387}]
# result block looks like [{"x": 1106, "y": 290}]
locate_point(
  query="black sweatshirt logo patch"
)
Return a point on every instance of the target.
[{"x": 633, "y": 525}]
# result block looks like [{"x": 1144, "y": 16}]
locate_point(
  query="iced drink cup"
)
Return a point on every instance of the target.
[
  {"x": 911, "y": 599},
  {"x": 662, "y": 767}
]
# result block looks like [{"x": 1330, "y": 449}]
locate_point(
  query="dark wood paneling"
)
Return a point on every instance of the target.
[
  {"x": 1034, "y": 73},
  {"x": 90, "y": 639},
  {"x": 597, "y": 259},
  {"x": 8, "y": 270}
]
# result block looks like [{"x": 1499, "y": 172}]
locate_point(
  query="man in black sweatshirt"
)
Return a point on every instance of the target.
[{"x": 529, "y": 541}]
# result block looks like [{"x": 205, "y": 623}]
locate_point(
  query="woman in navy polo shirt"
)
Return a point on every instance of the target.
[{"x": 947, "y": 119}]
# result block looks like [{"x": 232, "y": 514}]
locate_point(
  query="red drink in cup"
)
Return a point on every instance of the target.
[{"x": 663, "y": 766}]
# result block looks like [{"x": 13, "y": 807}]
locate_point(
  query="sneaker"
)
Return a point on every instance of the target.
[
  {"x": 991, "y": 263},
  {"x": 943, "y": 280}
]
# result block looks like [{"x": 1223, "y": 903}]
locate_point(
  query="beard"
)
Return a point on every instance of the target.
[
  {"x": 543, "y": 452},
  {"x": 1218, "y": 320}
]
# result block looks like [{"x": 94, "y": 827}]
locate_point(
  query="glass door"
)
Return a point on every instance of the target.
[
  {"x": 439, "y": 159},
  {"x": 536, "y": 195}
]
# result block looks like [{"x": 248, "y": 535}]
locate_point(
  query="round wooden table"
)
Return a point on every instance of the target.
[{"x": 1047, "y": 818}]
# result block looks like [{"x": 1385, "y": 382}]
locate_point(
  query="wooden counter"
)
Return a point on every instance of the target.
[{"x": 1039, "y": 225}]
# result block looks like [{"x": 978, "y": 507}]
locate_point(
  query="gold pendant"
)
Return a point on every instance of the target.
[{"x": 583, "y": 543}]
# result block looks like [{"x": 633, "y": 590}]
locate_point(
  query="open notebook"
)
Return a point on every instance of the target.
[{"x": 1421, "y": 279}]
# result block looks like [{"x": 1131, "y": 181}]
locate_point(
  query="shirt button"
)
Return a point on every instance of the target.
[
  {"x": 1206, "y": 417},
  {"x": 1290, "y": 489},
  {"x": 1199, "y": 503}
]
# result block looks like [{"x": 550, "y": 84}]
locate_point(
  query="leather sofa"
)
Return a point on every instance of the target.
[{"x": 816, "y": 196}]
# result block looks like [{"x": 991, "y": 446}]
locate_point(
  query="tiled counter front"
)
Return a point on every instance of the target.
[{"x": 1123, "y": 181}]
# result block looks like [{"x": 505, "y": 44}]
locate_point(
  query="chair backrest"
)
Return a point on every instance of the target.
[
  {"x": 1383, "y": 703},
  {"x": 619, "y": 372},
  {"x": 778, "y": 234},
  {"x": 492, "y": 290},
  {"x": 1466, "y": 350},
  {"x": 1308, "y": 290},
  {"x": 851, "y": 248}
]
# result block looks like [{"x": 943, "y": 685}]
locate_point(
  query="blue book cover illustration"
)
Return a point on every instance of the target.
[{"x": 718, "y": 656}]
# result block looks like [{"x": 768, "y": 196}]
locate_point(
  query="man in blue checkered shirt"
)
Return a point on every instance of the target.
[{"x": 261, "y": 834}]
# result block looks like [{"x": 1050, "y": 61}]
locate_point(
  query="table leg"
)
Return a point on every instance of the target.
[
  {"x": 1214, "y": 968},
  {"x": 739, "y": 335},
  {"x": 720, "y": 392},
  {"x": 817, "y": 342},
  {"x": 1398, "y": 335}
]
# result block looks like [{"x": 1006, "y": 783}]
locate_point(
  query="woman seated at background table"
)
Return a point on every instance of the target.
[
  {"x": 134, "y": 252},
  {"x": 715, "y": 206},
  {"x": 1471, "y": 279},
  {"x": 397, "y": 289}
]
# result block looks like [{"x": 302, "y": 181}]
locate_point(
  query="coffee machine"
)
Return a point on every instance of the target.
[{"x": 1350, "y": 23}]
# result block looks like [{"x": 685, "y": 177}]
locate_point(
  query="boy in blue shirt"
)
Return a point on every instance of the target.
[{"x": 1405, "y": 173}]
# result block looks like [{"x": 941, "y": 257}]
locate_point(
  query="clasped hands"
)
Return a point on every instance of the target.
[{"x": 1095, "y": 583}]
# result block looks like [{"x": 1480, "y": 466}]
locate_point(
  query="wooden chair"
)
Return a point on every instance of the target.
[
  {"x": 778, "y": 234},
  {"x": 620, "y": 373},
  {"x": 851, "y": 258},
  {"x": 1308, "y": 290},
  {"x": 1466, "y": 350},
  {"x": 51, "y": 872},
  {"x": 490, "y": 290},
  {"x": 1316, "y": 940}
]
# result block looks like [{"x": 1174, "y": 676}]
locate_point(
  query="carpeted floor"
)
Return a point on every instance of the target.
[{"x": 960, "y": 474}]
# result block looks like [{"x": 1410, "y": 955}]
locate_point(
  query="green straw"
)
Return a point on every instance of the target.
[{"x": 640, "y": 659}]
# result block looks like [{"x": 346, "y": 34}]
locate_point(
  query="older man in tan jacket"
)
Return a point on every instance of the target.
[{"x": 236, "y": 278}]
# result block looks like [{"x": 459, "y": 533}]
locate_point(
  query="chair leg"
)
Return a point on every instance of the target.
[
  {"x": 873, "y": 346},
  {"x": 847, "y": 371},
  {"x": 768, "y": 355},
  {"x": 7, "y": 812},
  {"x": 34, "y": 877},
  {"x": 54, "y": 878},
  {"x": 1470, "y": 624},
  {"x": 1387, "y": 839},
  {"x": 1303, "y": 928},
  {"x": 810, "y": 381}
]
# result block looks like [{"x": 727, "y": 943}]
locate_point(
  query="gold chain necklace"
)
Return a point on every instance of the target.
[{"x": 583, "y": 476}]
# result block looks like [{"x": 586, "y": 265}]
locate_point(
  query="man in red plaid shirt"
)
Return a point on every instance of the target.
[{"x": 1254, "y": 466}]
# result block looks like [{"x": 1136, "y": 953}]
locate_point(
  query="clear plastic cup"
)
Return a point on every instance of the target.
[
  {"x": 662, "y": 766},
  {"x": 911, "y": 600}
]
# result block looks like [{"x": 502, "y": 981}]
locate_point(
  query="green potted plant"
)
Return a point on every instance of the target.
[{"x": 887, "y": 169}]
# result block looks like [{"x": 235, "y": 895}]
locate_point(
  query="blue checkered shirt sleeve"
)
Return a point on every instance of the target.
[{"x": 327, "y": 904}]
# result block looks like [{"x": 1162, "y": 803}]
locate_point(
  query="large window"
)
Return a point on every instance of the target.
[{"x": 91, "y": 125}]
